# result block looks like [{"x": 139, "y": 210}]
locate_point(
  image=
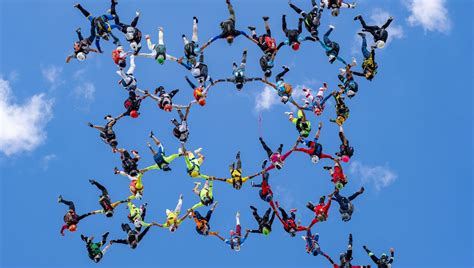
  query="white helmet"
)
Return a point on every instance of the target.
[
  {"x": 137, "y": 223},
  {"x": 81, "y": 56},
  {"x": 138, "y": 196},
  {"x": 314, "y": 159},
  {"x": 335, "y": 12},
  {"x": 284, "y": 99},
  {"x": 380, "y": 44},
  {"x": 130, "y": 33},
  {"x": 134, "y": 46},
  {"x": 331, "y": 57}
]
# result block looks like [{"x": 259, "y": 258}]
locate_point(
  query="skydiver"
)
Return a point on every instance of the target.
[
  {"x": 206, "y": 197},
  {"x": 342, "y": 111},
  {"x": 161, "y": 159},
  {"x": 268, "y": 45},
  {"x": 172, "y": 217},
  {"x": 191, "y": 48},
  {"x": 346, "y": 258},
  {"x": 320, "y": 210},
  {"x": 107, "y": 133},
  {"x": 337, "y": 174},
  {"x": 239, "y": 78},
  {"x": 312, "y": 244},
  {"x": 265, "y": 193},
  {"x": 315, "y": 104},
  {"x": 289, "y": 222},
  {"x": 235, "y": 241},
  {"x": 303, "y": 125},
  {"x": 94, "y": 249},
  {"x": 345, "y": 150},
  {"x": 332, "y": 48},
  {"x": 293, "y": 35},
  {"x": 181, "y": 130},
  {"x": 132, "y": 104},
  {"x": 349, "y": 85},
  {"x": 202, "y": 223},
  {"x": 129, "y": 163},
  {"x": 134, "y": 236},
  {"x": 369, "y": 66},
  {"x": 82, "y": 46},
  {"x": 264, "y": 223},
  {"x": 236, "y": 179},
  {"x": 71, "y": 219},
  {"x": 346, "y": 208},
  {"x": 315, "y": 149},
  {"x": 229, "y": 31},
  {"x": 131, "y": 32},
  {"x": 383, "y": 261},
  {"x": 380, "y": 34},
  {"x": 335, "y": 5},
  {"x": 164, "y": 99},
  {"x": 284, "y": 90},
  {"x": 193, "y": 164},
  {"x": 276, "y": 158},
  {"x": 105, "y": 202},
  {"x": 311, "y": 19},
  {"x": 158, "y": 51},
  {"x": 136, "y": 186}
]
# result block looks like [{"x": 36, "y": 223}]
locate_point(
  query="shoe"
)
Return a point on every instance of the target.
[
  {"x": 332, "y": 27},
  {"x": 293, "y": 210},
  {"x": 361, "y": 34},
  {"x": 251, "y": 28},
  {"x": 253, "y": 208},
  {"x": 289, "y": 113},
  {"x": 116, "y": 170},
  {"x": 92, "y": 181},
  {"x": 90, "y": 124},
  {"x": 327, "y": 168},
  {"x": 265, "y": 18},
  {"x": 286, "y": 67},
  {"x": 198, "y": 150},
  {"x": 180, "y": 151},
  {"x": 137, "y": 13},
  {"x": 195, "y": 19},
  {"x": 60, "y": 198},
  {"x": 357, "y": 17},
  {"x": 77, "y": 5}
]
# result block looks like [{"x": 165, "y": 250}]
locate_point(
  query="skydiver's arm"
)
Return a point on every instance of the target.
[
  {"x": 269, "y": 83},
  {"x": 140, "y": 236}
]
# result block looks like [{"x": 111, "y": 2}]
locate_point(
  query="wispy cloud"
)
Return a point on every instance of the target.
[
  {"x": 266, "y": 99},
  {"x": 286, "y": 198},
  {"x": 85, "y": 91},
  {"x": 22, "y": 125},
  {"x": 47, "y": 160},
  {"x": 432, "y": 15},
  {"x": 52, "y": 74},
  {"x": 379, "y": 176}
]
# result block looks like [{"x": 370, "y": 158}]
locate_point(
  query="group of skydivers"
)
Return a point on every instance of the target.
[{"x": 193, "y": 60}]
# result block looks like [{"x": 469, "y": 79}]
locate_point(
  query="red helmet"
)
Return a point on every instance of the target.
[
  {"x": 295, "y": 46},
  {"x": 168, "y": 107},
  {"x": 202, "y": 101},
  {"x": 134, "y": 114}
]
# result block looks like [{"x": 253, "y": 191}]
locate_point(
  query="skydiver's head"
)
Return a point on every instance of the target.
[
  {"x": 384, "y": 258},
  {"x": 72, "y": 228},
  {"x": 369, "y": 75},
  {"x": 168, "y": 107},
  {"x": 203, "y": 228},
  {"x": 345, "y": 158},
  {"x": 97, "y": 258},
  {"x": 202, "y": 101},
  {"x": 278, "y": 164},
  {"x": 268, "y": 72},
  {"x": 339, "y": 185},
  {"x": 138, "y": 196},
  {"x": 160, "y": 59},
  {"x": 134, "y": 244},
  {"x": 109, "y": 213},
  {"x": 295, "y": 46},
  {"x": 332, "y": 58},
  {"x": 315, "y": 159},
  {"x": 318, "y": 111},
  {"x": 130, "y": 33},
  {"x": 173, "y": 228},
  {"x": 266, "y": 231},
  {"x": 135, "y": 46},
  {"x": 284, "y": 99},
  {"x": 81, "y": 56},
  {"x": 321, "y": 217},
  {"x": 346, "y": 216},
  {"x": 380, "y": 44},
  {"x": 165, "y": 167},
  {"x": 230, "y": 39},
  {"x": 105, "y": 36},
  {"x": 138, "y": 223},
  {"x": 206, "y": 201},
  {"x": 351, "y": 93},
  {"x": 239, "y": 85},
  {"x": 335, "y": 12}
]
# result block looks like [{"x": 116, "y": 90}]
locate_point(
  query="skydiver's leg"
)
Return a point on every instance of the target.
[
  {"x": 115, "y": 38},
  {"x": 181, "y": 115},
  {"x": 185, "y": 40},
  {"x": 84, "y": 11},
  {"x": 283, "y": 25},
  {"x": 104, "y": 238},
  {"x": 177, "y": 210},
  {"x": 126, "y": 228},
  {"x": 135, "y": 20},
  {"x": 244, "y": 59},
  {"x": 239, "y": 161},
  {"x": 209, "y": 215},
  {"x": 79, "y": 34},
  {"x": 280, "y": 75},
  {"x": 194, "y": 38},
  {"x": 298, "y": 10},
  {"x": 238, "y": 229},
  {"x": 365, "y": 51},
  {"x": 100, "y": 187},
  {"x": 266, "y": 216},
  {"x": 284, "y": 215},
  {"x": 231, "y": 11},
  {"x": 355, "y": 195},
  {"x": 280, "y": 149},
  {"x": 267, "y": 26},
  {"x": 300, "y": 26},
  {"x": 255, "y": 214},
  {"x": 266, "y": 148},
  {"x": 70, "y": 204},
  {"x": 191, "y": 84},
  {"x": 387, "y": 23},
  {"x": 160, "y": 36},
  {"x": 326, "y": 39}
]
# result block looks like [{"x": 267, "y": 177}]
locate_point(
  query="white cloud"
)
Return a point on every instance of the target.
[
  {"x": 286, "y": 199},
  {"x": 379, "y": 176},
  {"x": 46, "y": 160},
  {"x": 52, "y": 74},
  {"x": 379, "y": 17},
  {"x": 85, "y": 91},
  {"x": 22, "y": 125},
  {"x": 432, "y": 15},
  {"x": 266, "y": 99}
]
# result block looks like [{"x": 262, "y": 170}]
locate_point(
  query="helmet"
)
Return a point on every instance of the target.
[
  {"x": 202, "y": 101},
  {"x": 332, "y": 58},
  {"x": 321, "y": 217},
  {"x": 266, "y": 231},
  {"x": 134, "y": 114},
  {"x": 239, "y": 85},
  {"x": 230, "y": 39},
  {"x": 81, "y": 56},
  {"x": 109, "y": 213},
  {"x": 295, "y": 46},
  {"x": 165, "y": 167},
  {"x": 138, "y": 196},
  {"x": 168, "y": 107},
  {"x": 284, "y": 99},
  {"x": 345, "y": 158},
  {"x": 160, "y": 59},
  {"x": 97, "y": 258},
  {"x": 339, "y": 185},
  {"x": 384, "y": 258},
  {"x": 268, "y": 198},
  {"x": 173, "y": 228},
  {"x": 268, "y": 73},
  {"x": 130, "y": 33},
  {"x": 278, "y": 165},
  {"x": 380, "y": 44},
  {"x": 137, "y": 223},
  {"x": 350, "y": 93},
  {"x": 72, "y": 227},
  {"x": 345, "y": 216},
  {"x": 335, "y": 12},
  {"x": 315, "y": 159},
  {"x": 135, "y": 46},
  {"x": 194, "y": 173}
]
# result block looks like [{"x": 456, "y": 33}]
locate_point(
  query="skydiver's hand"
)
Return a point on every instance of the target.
[{"x": 392, "y": 250}]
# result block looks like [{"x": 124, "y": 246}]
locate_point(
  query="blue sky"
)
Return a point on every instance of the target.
[{"x": 411, "y": 128}]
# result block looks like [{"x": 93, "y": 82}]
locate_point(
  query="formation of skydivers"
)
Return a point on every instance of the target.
[{"x": 193, "y": 60}]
